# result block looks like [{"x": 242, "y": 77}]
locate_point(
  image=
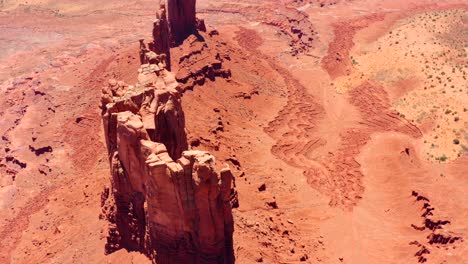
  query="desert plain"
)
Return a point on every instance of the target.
[{"x": 344, "y": 124}]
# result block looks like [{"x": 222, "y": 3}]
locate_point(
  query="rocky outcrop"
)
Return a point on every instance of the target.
[
  {"x": 439, "y": 235},
  {"x": 165, "y": 201},
  {"x": 182, "y": 19},
  {"x": 198, "y": 62},
  {"x": 175, "y": 21},
  {"x": 161, "y": 36},
  {"x": 177, "y": 25}
]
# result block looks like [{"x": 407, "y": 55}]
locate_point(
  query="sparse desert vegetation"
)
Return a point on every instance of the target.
[
  {"x": 424, "y": 57},
  {"x": 214, "y": 131}
]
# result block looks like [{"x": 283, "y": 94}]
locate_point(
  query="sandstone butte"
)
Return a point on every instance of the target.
[{"x": 166, "y": 202}]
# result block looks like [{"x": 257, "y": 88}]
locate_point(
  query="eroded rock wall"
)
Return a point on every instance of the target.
[
  {"x": 161, "y": 36},
  {"x": 165, "y": 201},
  {"x": 182, "y": 19}
]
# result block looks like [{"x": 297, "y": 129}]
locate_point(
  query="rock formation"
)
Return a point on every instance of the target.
[
  {"x": 165, "y": 201},
  {"x": 182, "y": 19},
  {"x": 199, "y": 62},
  {"x": 175, "y": 21},
  {"x": 161, "y": 37}
]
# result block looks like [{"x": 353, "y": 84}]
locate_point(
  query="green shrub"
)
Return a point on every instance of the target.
[{"x": 443, "y": 158}]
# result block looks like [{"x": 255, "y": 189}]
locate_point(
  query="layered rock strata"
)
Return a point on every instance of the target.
[
  {"x": 165, "y": 201},
  {"x": 198, "y": 62}
]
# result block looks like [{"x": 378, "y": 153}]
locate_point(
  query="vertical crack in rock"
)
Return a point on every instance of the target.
[{"x": 165, "y": 201}]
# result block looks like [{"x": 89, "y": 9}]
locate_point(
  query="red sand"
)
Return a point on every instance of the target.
[{"x": 341, "y": 167}]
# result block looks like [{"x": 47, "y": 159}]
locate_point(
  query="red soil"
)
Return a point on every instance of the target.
[
  {"x": 322, "y": 177},
  {"x": 337, "y": 62}
]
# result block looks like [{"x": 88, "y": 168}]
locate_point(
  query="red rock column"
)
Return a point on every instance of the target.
[
  {"x": 161, "y": 35},
  {"x": 166, "y": 201},
  {"x": 182, "y": 19}
]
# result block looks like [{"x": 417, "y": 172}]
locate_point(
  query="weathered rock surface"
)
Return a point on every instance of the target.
[
  {"x": 161, "y": 36},
  {"x": 175, "y": 21},
  {"x": 182, "y": 19},
  {"x": 165, "y": 201},
  {"x": 199, "y": 62}
]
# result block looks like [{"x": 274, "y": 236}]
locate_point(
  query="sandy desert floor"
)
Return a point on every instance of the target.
[{"x": 345, "y": 121}]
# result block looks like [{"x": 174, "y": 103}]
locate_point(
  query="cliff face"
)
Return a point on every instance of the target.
[
  {"x": 175, "y": 21},
  {"x": 165, "y": 201},
  {"x": 182, "y": 19},
  {"x": 161, "y": 37}
]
